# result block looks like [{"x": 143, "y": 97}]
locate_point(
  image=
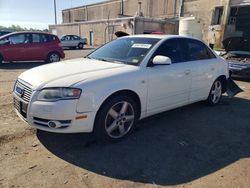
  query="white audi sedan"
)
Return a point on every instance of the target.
[{"x": 128, "y": 79}]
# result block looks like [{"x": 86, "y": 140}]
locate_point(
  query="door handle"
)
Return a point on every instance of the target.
[
  {"x": 187, "y": 72},
  {"x": 212, "y": 69}
]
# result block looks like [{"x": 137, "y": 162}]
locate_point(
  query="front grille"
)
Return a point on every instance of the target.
[
  {"x": 21, "y": 107},
  {"x": 27, "y": 91},
  {"x": 17, "y": 105}
]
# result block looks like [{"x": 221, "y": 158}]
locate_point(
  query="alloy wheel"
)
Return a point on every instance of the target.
[
  {"x": 119, "y": 119},
  {"x": 216, "y": 92},
  {"x": 54, "y": 57}
]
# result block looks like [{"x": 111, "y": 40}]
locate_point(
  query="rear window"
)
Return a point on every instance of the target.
[
  {"x": 40, "y": 38},
  {"x": 198, "y": 51},
  {"x": 53, "y": 38}
]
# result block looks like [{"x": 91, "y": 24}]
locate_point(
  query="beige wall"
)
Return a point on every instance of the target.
[
  {"x": 104, "y": 31},
  {"x": 112, "y": 9},
  {"x": 203, "y": 10}
]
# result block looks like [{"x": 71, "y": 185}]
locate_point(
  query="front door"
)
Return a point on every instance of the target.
[
  {"x": 17, "y": 48},
  {"x": 169, "y": 85}
]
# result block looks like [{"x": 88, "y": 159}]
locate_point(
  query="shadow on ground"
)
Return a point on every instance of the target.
[
  {"x": 241, "y": 79},
  {"x": 171, "y": 148},
  {"x": 20, "y": 65},
  {"x": 77, "y": 49}
]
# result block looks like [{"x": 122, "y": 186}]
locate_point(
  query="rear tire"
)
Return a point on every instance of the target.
[
  {"x": 1, "y": 59},
  {"x": 80, "y": 45},
  {"x": 215, "y": 93},
  {"x": 116, "y": 119},
  {"x": 53, "y": 57}
]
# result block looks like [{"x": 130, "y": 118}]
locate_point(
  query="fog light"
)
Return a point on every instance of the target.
[{"x": 54, "y": 124}]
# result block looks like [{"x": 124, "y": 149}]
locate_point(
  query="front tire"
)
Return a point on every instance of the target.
[
  {"x": 215, "y": 93},
  {"x": 53, "y": 57},
  {"x": 116, "y": 118}
]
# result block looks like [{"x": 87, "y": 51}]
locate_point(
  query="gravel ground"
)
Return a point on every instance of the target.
[{"x": 193, "y": 146}]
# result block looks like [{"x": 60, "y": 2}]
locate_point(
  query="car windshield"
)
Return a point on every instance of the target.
[{"x": 125, "y": 50}]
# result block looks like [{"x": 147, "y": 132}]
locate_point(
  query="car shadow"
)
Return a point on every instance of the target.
[
  {"x": 171, "y": 148},
  {"x": 77, "y": 49},
  {"x": 20, "y": 65},
  {"x": 241, "y": 79}
]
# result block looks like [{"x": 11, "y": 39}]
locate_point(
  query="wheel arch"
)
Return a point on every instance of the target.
[
  {"x": 54, "y": 51},
  {"x": 224, "y": 82},
  {"x": 124, "y": 92}
]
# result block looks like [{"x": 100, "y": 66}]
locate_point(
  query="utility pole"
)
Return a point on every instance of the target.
[{"x": 55, "y": 11}]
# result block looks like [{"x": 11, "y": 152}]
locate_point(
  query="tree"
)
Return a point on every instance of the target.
[{"x": 14, "y": 28}]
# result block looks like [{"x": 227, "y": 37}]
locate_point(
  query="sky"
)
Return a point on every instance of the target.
[{"x": 35, "y": 14}]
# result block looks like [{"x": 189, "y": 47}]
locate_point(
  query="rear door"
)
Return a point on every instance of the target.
[
  {"x": 76, "y": 40},
  {"x": 39, "y": 47},
  {"x": 206, "y": 65}
]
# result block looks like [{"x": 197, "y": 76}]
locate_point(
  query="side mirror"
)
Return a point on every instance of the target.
[{"x": 161, "y": 60}]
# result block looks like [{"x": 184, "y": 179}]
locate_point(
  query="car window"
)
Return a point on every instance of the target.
[
  {"x": 173, "y": 49},
  {"x": 35, "y": 38},
  {"x": 4, "y": 41},
  {"x": 67, "y": 38},
  {"x": 198, "y": 51},
  {"x": 19, "y": 39},
  {"x": 63, "y": 38},
  {"x": 76, "y": 38},
  {"x": 127, "y": 50},
  {"x": 39, "y": 38},
  {"x": 44, "y": 38}
]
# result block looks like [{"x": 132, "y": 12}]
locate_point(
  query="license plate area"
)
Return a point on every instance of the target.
[{"x": 21, "y": 107}]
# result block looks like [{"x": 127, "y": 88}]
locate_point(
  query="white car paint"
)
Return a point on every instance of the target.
[{"x": 159, "y": 88}]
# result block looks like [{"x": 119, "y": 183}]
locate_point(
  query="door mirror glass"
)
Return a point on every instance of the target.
[{"x": 161, "y": 60}]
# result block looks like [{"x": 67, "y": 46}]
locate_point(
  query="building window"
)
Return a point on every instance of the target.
[
  {"x": 217, "y": 16},
  {"x": 232, "y": 16}
]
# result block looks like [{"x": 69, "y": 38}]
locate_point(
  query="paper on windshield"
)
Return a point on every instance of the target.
[{"x": 147, "y": 46}]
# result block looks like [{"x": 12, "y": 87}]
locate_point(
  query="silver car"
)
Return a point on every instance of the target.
[{"x": 73, "y": 41}]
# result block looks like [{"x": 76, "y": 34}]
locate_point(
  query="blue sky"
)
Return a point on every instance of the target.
[{"x": 34, "y": 13}]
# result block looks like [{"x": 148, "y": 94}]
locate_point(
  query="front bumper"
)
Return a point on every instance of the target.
[{"x": 38, "y": 114}]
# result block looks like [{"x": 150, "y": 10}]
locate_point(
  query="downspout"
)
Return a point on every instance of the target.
[
  {"x": 122, "y": 8},
  {"x": 134, "y": 26},
  {"x": 86, "y": 10},
  {"x": 175, "y": 5},
  {"x": 226, "y": 17},
  {"x": 181, "y": 9}
]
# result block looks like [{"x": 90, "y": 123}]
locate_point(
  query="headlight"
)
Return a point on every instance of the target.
[{"x": 54, "y": 94}]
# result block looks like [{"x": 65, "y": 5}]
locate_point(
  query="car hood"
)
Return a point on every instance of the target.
[
  {"x": 70, "y": 72},
  {"x": 237, "y": 44}
]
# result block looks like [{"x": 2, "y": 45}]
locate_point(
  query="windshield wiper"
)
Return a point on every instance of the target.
[{"x": 110, "y": 60}]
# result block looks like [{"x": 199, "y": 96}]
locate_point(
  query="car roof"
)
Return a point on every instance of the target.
[
  {"x": 158, "y": 36},
  {"x": 26, "y": 32},
  {"x": 69, "y": 35}
]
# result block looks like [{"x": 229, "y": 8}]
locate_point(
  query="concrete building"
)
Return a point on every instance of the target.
[
  {"x": 224, "y": 18},
  {"x": 98, "y": 22}
]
